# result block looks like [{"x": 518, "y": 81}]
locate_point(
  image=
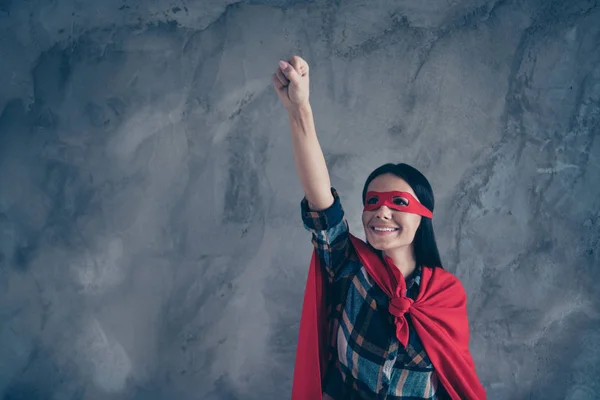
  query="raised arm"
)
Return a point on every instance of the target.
[
  {"x": 322, "y": 212},
  {"x": 291, "y": 81}
]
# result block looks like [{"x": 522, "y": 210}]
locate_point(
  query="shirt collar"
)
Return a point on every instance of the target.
[{"x": 414, "y": 279}]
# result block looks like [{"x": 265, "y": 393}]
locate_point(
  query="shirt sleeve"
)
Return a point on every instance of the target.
[{"x": 330, "y": 238}]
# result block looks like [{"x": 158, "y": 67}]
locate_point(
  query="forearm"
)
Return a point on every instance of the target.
[{"x": 309, "y": 159}]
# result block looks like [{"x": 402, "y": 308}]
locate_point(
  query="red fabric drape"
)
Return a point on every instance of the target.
[{"x": 439, "y": 317}]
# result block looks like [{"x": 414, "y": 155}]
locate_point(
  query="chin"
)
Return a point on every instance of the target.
[
  {"x": 379, "y": 244},
  {"x": 384, "y": 244}
]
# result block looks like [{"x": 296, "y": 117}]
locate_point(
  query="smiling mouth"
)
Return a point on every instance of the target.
[{"x": 384, "y": 230}]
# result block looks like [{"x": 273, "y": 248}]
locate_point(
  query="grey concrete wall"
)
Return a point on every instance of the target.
[{"x": 150, "y": 239}]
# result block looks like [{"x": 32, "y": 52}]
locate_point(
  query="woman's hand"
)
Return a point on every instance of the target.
[{"x": 292, "y": 83}]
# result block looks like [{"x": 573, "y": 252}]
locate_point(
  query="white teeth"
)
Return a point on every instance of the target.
[{"x": 384, "y": 229}]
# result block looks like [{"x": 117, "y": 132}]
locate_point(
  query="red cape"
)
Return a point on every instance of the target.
[{"x": 439, "y": 316}]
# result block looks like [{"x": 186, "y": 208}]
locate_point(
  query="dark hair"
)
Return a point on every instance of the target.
[{"x": 426, "y": 250}]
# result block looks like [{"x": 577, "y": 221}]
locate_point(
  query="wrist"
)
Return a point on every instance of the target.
[{"x": 299, "y": 110}]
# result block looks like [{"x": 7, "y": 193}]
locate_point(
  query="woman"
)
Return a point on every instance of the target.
[{"x": 386, "y": 322}]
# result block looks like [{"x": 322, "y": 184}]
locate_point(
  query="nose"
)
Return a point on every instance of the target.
[{"x": 383, "y": 212}]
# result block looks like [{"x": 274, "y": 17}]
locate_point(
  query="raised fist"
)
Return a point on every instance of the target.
[{"x": 291, "y": 82}]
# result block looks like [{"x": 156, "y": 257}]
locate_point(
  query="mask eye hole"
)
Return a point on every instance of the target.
[
  {"x": 372, "y": 200},
  {"x": 400, "y": 201}
]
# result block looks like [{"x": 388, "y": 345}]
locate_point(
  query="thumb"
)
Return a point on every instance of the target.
[{"x": 289, "y": 71}]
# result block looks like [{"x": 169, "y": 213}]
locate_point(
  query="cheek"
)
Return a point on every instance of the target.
[
  {"x": 365, "y": 218},
  {"x": 416, "y": 222},
  {"x": 409, "y": 222}
]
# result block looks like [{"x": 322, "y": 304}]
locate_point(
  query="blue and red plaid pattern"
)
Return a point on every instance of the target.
[{"x": 366, "y": 360}]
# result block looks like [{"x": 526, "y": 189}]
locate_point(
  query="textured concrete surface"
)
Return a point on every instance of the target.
[{"x": 150, "y": 239}]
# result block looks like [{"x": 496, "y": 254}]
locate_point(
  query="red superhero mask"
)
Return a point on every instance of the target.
[{"x": 400, "y": 201}]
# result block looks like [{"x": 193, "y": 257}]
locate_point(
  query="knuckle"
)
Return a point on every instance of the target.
[{"x": 297, "y": 61}]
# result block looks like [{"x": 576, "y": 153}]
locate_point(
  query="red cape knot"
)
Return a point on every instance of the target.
[{"x": 399, "y": 306}]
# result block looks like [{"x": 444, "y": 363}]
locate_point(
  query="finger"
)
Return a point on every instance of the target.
[
  {"x": 297, "y": 61},
  {"x": 290, "y": 73},
  {"x": 299, "y": 65},
  {"x": 284, "y": 81},
  {"x": 276, "y": 82},
  {"x": 280, "y": 90}
]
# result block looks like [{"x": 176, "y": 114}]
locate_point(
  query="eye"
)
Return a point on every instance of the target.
[
  {"x": 400, "y": 201},
  {"x": 372, "y": 200}
]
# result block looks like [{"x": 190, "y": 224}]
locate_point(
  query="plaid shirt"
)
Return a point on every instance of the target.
[{"x": 366, "y": 360}]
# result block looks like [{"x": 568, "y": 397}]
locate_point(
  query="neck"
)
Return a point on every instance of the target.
[{"x": 403, "y": 258}]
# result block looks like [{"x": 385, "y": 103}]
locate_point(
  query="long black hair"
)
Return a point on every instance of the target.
[{"x": 426, "y": 250}]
